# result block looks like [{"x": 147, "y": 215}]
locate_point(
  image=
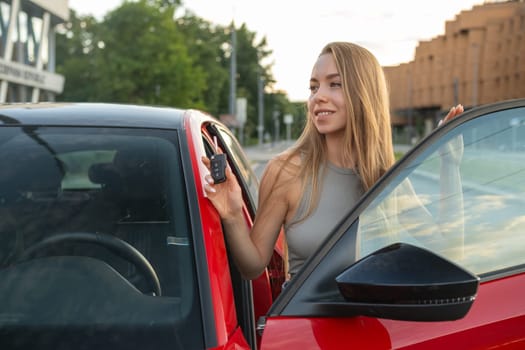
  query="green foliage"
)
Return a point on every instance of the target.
[
  {"x": 145, "y": 59},
  {"x": 206, "y": 44},
  {"x": 74, "y": 57},
  {"x": 142, "y": 53}
]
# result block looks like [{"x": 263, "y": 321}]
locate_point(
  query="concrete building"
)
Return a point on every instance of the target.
[
  {"x": 480, "y": 59},
  {"x": 27, "y": 49}
]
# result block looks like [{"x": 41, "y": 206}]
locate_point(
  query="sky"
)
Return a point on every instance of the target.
[{"x": 296, "y": 30}]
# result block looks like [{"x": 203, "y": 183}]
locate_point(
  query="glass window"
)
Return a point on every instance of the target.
[
  {"x": 245, "y": 167},
  {"x": 463, "y": 197}
]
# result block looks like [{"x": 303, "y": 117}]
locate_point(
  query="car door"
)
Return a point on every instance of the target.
[
  {"x": 249, "y": 299},
  {"x": 458, "y": 199}
]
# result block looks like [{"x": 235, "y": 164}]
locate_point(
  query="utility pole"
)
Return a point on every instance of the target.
[
  {"x": 260, "y": 127},
  {"x": 233, "y": 71},
  {"x": 276, "y": 128}
]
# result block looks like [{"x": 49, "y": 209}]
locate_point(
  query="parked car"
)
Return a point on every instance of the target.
[{"x": 107, "y": 240}]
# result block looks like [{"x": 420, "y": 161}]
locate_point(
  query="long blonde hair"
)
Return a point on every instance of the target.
[{"x": 367, "y": 137}]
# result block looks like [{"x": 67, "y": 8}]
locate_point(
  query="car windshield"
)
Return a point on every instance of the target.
[{"x": 69, "y": 197}]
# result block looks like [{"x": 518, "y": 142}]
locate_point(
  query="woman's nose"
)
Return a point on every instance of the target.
[{"x": 320, "y": 95}]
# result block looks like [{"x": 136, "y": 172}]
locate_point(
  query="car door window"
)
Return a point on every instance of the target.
[
  {"x": 487, "y": 233},
  {"x": 245, "y": 168}
]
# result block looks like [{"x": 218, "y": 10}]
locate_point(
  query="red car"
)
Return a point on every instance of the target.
[{"x": 107, "y": 240}]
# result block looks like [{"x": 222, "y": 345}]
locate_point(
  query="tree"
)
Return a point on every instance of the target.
[
  {"x": 140, "y": 53},
  {"x": 208, "y": 47},
  {"x": 136, "y": 55},
  {"x": 145, "y": 60},
  {"x": 250, "y": 55},
  {"x": 74, "y": 57}
]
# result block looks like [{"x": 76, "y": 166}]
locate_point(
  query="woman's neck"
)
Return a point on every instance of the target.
[{"x": 334, "y": 147}]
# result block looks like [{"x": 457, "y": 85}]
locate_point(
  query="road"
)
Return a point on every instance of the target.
[{"x": 260, "y": 155}]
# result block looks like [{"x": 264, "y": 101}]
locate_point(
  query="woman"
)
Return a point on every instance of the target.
[{"x": 345, "y": 147}]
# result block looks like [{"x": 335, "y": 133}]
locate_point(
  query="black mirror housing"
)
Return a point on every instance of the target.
[{"x": 406, "y": 282}]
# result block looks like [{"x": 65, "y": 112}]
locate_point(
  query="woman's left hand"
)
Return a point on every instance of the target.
[
  {"x": 454, "y": 111},
  {"x": 452, "y": 151}
]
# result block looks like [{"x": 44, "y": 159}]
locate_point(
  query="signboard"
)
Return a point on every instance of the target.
[
  {"x": 58, "y": 8},
  {"x": 30, "y": 76},
  {"x": 241, "y": 110}
]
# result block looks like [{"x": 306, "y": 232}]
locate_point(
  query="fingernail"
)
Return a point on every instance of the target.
[
  {"x": 209, "y": 179},
  {"x": 210, "y": 188}
]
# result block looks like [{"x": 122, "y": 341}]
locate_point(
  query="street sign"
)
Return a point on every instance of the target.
[
  {"x": 241, "y": 110},
  {"x": 30, "y": 76}
]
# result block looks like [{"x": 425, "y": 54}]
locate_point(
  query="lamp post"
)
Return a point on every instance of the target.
[
  {"x": 276, "y": 125},
  {"x": 233, "y": 70},
  {"x": 260, "y": 127}
]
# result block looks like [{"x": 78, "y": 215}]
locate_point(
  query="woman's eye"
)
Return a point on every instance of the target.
[
  {"x": 335, "y": 84},
  {"x": 313, "y": 88}
]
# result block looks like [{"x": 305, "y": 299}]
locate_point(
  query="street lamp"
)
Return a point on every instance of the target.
[
  {"x": 260, "y": 127},
  {"x": 276, "y": 125}
]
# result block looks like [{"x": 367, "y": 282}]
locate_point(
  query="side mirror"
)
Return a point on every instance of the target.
[{"x": 405, "y": 282}]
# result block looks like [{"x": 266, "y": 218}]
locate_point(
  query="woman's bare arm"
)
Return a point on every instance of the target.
[{"x": 251, "y": 250}]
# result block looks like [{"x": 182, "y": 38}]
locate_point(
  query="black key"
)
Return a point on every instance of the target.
[{"x": 218, "y": 167}]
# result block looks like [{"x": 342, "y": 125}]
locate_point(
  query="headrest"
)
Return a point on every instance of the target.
[
  {"x": 139, "y": 168},
  {"x": 103, "y": 174}
]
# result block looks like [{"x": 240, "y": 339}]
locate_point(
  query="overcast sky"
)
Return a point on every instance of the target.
[{"x": 296, "y": 30}]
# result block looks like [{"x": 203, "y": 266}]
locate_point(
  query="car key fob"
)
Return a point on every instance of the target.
[{"x": 218, "y": 167}]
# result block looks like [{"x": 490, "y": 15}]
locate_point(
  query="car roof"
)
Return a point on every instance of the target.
[{"x": 96, "y": 114}]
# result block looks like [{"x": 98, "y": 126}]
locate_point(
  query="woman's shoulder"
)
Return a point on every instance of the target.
[
  {"x": 284, "y": 166},
  {"x": 289, "y": 160}
]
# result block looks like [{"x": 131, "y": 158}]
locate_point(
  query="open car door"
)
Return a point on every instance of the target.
[{"x": 431, "y": 256}]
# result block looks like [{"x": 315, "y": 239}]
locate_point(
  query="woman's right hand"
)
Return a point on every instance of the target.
[{"x": 226, "y": 196}]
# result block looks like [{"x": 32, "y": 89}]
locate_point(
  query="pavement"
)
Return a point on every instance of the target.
[{"x": 266, "y": 151}]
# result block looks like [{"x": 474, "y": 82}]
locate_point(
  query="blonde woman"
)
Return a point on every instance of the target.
[{"x": 345, "y": 147}]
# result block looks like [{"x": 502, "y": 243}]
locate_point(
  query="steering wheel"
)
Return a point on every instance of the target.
[{"x": 116, "y": 245}]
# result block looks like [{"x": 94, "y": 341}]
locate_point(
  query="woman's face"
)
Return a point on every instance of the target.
[{"x": 326, "y": 103}]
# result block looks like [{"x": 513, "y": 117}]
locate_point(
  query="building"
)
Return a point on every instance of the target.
[
  {"x": 27, "y": 49},
  {"x": 480, "y": 59}
]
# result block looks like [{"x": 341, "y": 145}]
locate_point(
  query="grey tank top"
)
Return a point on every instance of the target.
[{"x": 340, "y": 189}]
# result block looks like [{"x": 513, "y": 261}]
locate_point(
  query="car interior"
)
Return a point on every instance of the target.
[{"x": 96, "y": 222}]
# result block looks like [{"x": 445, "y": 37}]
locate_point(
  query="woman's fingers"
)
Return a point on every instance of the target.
[
  {"x": 454, "y": 111},
  {"x": 210, "y": 186},
  {"x": 206, "y": 161}
]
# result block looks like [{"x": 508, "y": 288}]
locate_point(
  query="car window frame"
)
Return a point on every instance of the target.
[{"x": 243, "y": 289}]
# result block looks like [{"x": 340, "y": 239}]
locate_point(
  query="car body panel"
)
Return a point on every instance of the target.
[
  {"x": 487, "y": 325},
  {"x": 92, "y": 114},
  {"x": 214, "y": 249},
  {"x": 217, "y": 259}
]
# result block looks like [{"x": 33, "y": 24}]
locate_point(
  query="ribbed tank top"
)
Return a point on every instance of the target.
[{"x": 340, "y": 189}]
